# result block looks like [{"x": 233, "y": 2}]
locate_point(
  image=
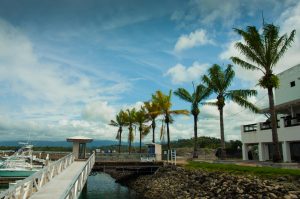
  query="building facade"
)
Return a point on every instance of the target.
[{"x": 257, "y": 138}]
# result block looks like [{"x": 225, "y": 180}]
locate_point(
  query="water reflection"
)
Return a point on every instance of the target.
[{"x": 103, "y": 186}]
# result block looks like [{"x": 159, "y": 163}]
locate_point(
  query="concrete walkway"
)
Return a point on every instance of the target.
[{"x": 60, "y": 183}]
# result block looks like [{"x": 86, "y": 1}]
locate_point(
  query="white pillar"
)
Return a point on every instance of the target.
[
  {"x": 281, "y": 124},
  {"x": 286, "y": 152},
  {"x": 261, "y": 155},
  {"x": 245, "y": 151},
  {"x": 266, "y": 152}
]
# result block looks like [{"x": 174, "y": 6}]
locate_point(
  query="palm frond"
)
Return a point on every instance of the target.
[
  {"x": 229, "y": 75},
  {"x": 244, "y": 103},
  {"x": 245, "y": 64},
  {"x": 179, "y": 112},
  {"x": 244, "y": 93},
  {"x": 210, "y": 103},
  {"x": 113, "y": 123},
  {"x": 183, "y": 94},
  {"x": 285, "y": 46}
]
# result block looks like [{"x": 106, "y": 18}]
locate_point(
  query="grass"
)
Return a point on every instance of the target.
[{"x": 244, "y": 170}]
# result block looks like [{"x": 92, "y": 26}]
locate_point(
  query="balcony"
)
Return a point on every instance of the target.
[
  {"x": 291, "y": 121},
  {"x": 288, "y": 129}
]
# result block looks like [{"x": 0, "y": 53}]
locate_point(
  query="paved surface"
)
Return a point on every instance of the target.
[{"x": 59, "y": 184}]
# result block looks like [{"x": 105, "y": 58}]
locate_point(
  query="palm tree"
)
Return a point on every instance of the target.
[
  {"x": 153, "y": 112},
  {"x": 219, "y": 82},
  {"x": 141, "y": 117},
  {"x": 164, "y": 102},
  {"x": 195, "y": 98},
  {"x": 129, "y": 121},
  {"x": 263, "y": 52},
  {"x": 120, "y": 122}
]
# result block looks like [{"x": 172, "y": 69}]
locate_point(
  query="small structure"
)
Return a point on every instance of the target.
[
  {"x": 79, "y": 146},
  {"x": 155, "y": 150}
]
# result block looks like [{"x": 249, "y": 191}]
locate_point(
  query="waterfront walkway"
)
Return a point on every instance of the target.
[{"x": 57, "y": 187}]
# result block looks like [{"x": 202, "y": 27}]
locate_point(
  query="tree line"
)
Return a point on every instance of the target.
[{"x": 261, "y": 51}]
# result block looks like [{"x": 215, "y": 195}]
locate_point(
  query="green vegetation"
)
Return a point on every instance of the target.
[
  {"x": 219, "y": 81},
  {"x": 264, "y": 51},
  {"x": 244, "y": 170},
  {"x": 119, "y": 122},
  {"x": 153, "y": 112},
  {"x": 199, "y": 94},
  {"x": 141, "y": 117},
  {"x": 165, "y": 104}
]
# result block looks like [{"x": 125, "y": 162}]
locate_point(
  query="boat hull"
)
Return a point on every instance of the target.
[{"x": 14, "y": 173}]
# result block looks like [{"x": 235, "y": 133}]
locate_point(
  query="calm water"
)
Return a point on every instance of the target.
[
  {"x": 104, "y": 186},
  {"x": 3, "y": 187}
]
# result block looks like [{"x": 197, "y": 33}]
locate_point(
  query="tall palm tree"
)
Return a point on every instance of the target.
[
  {"x": 141, "y": 117},
  {"x": 219, "y": 81},
  {"x": 120, "y": 122},
  {"x": 153, "y": 111},
  {"x": 130, "y": 121},
  {"x": 194, "y": 98},
  {"x": 164, "y": 102},
  {"x": 263, "y": 52}
]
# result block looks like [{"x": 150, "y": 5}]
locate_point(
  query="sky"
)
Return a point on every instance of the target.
[{"x": 67, "y": 67}]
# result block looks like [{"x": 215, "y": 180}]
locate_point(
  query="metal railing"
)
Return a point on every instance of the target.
[
  {"x": 291, "y": 121},
  {"x": 25, "y": 188},
  {"x": 125, "y": 157},
  {"x": 75, "y": 188},
  {"x": 250, "y": 127},
  {"x": 267, "y": 125}
]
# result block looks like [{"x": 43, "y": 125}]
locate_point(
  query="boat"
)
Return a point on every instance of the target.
[{"x": 21, "y": 164}]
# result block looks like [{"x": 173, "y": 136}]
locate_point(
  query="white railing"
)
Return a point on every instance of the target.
[
  {"x": 25, "y": 188},
  {"x": 75, "y": 188}
]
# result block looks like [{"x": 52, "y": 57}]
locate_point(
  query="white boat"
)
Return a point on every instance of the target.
[{"x": 20, "y": 164}]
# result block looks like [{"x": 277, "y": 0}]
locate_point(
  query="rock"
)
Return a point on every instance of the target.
[
  {"x": 272, "y": 195},
  {"x": 180, "y": 183}
]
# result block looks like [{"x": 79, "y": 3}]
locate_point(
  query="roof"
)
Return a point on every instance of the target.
[
  {"x": 79, "y": 139},
  {"x": 284, "y": 107}
]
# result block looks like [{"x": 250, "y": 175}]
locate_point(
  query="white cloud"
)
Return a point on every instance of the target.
[
  {"x": 46, "y": 98},
  {"x": 98, "y": 111},
  {"x": 289, "y": 20},
  {"x": 196, "y": 38},
  {"x": 241, "y": 73},
  {"x": 204, "y": 12},
  {"x": 180, "y": 73}
]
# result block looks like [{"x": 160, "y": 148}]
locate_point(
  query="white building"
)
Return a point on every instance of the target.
[{"x": 287, "y": 105}]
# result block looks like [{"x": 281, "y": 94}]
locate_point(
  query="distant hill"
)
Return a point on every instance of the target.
[{"x": 95, "y": 143}]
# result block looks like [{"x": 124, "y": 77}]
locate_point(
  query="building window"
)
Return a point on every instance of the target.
[{"x": 293, "y": 84}]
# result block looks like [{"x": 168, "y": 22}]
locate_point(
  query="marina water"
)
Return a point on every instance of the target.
[
  {"x": 104, "y": 186},
  {"x": 100, "y": 185}
]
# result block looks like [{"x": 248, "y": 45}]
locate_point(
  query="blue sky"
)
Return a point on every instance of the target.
[{"x": 67, "y": 67}]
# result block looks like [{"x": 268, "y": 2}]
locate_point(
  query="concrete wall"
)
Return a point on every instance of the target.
[{"x": 286, "y": 93}]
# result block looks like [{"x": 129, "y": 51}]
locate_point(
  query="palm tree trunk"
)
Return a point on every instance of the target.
[
  {"x": 120, "y": 139},
  {"x": 129, "y": 148},
  {"x": 276, "y": 152},
  {"x": 153, "y": 131},
  {"x": 129, "y": 136},
  {"x": 223, "y": 152},
  {"x": 195, "y": 155},
  {"x": 140, "y": 139},
  {"x": 168, "y": 135}
]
